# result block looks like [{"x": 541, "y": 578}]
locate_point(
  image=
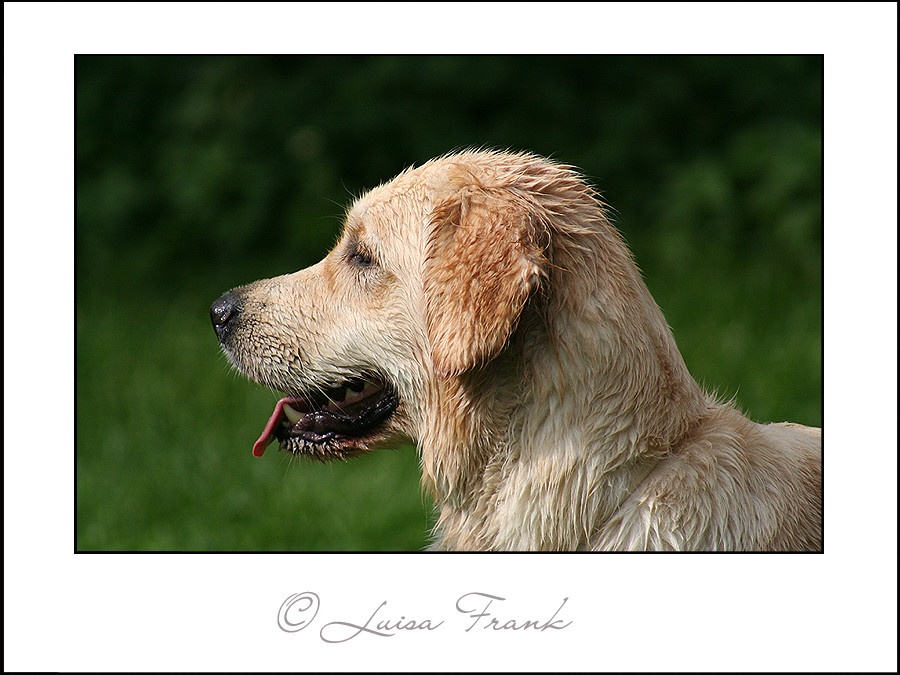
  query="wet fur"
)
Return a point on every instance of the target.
[{"x": 549, "y": 402}]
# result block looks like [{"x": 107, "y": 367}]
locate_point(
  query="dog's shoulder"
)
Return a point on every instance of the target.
[{"x": 730, "y": 485}]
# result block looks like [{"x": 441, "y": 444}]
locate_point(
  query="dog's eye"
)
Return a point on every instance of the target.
[{"x": 360, "y": 257}]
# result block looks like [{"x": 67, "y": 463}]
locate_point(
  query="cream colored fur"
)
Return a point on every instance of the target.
[{"x": 539, "y": 379}]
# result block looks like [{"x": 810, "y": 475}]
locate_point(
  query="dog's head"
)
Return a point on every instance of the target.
[{"x": 427, "y": 283}]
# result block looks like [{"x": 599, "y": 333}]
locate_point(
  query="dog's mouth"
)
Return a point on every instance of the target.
[{"x": 335, "y": 423}]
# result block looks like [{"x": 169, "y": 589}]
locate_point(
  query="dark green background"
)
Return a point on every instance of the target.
[{"x": 197, "y": 174}]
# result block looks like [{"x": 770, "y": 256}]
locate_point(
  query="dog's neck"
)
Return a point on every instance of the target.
[{"x": 588, "y": 401}]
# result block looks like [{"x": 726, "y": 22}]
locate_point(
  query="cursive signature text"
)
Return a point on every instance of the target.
[{"x": 299, "y": 610}]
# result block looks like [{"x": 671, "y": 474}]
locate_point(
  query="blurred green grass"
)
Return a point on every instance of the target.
[{"x": 164, "y": 431}]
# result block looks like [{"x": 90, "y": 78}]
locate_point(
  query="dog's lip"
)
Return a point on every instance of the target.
[{"x": 292, "y": 409}]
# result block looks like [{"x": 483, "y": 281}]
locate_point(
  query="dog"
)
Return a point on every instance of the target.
[{"x": 483, "y": 306}]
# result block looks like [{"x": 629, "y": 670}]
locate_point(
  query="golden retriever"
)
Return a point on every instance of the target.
[{"x": 483, "y": 306}]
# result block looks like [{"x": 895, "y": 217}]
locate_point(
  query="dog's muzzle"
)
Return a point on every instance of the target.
[{"x": 334, "y": 421}]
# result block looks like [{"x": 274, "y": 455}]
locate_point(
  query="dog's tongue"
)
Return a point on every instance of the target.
[{"x": 268, "y": 434}]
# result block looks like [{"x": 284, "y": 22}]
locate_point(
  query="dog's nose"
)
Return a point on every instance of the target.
[{"x": 221, "y": 312}]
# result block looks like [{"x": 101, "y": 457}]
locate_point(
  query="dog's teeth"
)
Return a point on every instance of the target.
[
  {"x": 348, "y": 394},
  {"x": 292, "y": 415}
]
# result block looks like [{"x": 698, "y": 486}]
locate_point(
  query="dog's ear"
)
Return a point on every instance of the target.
[{"x": 481, "y": 266}]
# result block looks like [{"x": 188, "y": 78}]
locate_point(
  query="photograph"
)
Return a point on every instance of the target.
[
  {"x": 424, "y": 337},
  {"x": 467, "y": 302}
]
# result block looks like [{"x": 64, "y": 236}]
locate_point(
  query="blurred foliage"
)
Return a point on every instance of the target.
[
  {"x": 199, "y": 173},
  {"x": 188, "y": 164}
]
